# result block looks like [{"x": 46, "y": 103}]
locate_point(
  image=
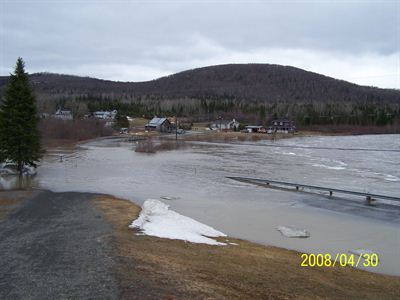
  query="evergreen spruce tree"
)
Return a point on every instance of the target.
[
  {"x": 121, "y": 121},
  {"x": 19, "y": 136}
]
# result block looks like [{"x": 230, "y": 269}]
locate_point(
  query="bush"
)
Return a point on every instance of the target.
[
  {"x": 148, "y": 146},
  {"x": 74, "y": 130}
]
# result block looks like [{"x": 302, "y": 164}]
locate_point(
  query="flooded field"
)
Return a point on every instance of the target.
[{"x": 193, "y": 181}]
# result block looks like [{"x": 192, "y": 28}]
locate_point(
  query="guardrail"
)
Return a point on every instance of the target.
[{"x": 370, "y": 197}]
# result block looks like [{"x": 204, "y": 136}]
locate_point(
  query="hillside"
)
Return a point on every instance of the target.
[
  {"x": 252, "y": 93},
  {"x": 249, "y": 82}
]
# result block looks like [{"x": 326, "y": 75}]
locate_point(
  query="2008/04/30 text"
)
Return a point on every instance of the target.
[{"x": 339, "y": 259}]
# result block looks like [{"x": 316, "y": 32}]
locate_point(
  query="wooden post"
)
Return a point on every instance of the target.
[{"x": 370, "y": 201}]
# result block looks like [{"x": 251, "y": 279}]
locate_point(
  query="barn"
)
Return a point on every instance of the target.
[{"x": 159, "y": 124}]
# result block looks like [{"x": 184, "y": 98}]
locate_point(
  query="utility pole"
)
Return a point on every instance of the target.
[{"x": 176, "y": 128}]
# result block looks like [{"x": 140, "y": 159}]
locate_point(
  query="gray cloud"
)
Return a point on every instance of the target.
[{"x": 131, "y": 40}]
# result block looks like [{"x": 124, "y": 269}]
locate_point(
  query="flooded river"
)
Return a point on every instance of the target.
[{"x": 195, "y": 180}]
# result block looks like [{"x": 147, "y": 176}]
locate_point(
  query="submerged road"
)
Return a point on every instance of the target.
[{"x": 56, "y": 246}]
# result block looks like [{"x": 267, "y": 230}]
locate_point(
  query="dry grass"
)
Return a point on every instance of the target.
[
  {"x": 174, "y": 269},
  {"x": 139, "y": 122},
  {"x": 72, "y": 130},
  {"x": 216, "y": 136},
  {"x": 7, "y": 206},
  {"x": 9, "y": 201}
]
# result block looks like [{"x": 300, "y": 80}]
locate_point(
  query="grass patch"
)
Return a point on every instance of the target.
[{"x": 174, "y": 269}]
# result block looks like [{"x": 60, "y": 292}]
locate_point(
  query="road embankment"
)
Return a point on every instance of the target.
[{"x": 78, "y": 245}]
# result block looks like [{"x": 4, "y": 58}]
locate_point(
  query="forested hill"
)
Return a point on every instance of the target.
[{"x": 245, "y": 82}]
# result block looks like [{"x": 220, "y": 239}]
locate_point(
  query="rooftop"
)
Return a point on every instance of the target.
[{"x": 156, "y": 121}]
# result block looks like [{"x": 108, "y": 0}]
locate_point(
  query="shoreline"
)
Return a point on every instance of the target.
[
  {"x": 181, "y": 270},
  {"x": 202, "y": 135}
]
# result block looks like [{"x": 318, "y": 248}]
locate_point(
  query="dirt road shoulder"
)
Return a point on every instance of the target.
[{"x": 175, "y": 269}]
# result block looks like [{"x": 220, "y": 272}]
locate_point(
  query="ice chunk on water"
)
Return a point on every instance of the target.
[
  {"x": 361, "y": 252},
  {"x": 156, "y": 219},
  {"x": 169, "y": 198},
  {"x": 291, "y": 232}
]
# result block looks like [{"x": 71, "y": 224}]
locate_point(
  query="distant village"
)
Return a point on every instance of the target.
[{"x": 168, "y": 124}]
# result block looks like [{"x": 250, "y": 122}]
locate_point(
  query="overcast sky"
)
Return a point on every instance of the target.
[{"x": 358, "y": 41}]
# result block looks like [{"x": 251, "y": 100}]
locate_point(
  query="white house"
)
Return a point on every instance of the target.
[
  {"x": 225, "y": 125},
  {"x": 105, "y": 114},
  {"x": 63, "y": 114}
]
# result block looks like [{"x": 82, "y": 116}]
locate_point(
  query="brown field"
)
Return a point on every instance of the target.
[
  {"x": 172, "y": 269},
  {"x": 9, "y": 201},
  {"x": 138, "y": 122},
  {"x": 216, "y": 136}
]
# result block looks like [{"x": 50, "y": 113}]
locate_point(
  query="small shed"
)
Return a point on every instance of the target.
[{"x": 159, "y": 124}]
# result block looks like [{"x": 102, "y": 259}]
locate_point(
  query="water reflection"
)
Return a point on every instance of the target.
[{"x": 14, "y": 182}]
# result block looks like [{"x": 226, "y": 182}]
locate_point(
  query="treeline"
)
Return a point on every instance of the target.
[
  {"x": 301, "y": 113},
  {"x": 244, "y": 82},
  {"x": 252, "y": 93}
]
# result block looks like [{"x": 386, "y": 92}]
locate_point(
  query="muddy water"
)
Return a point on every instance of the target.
[{"x": 195, "y": 179}]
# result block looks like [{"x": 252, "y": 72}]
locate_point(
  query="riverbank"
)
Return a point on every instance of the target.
[{"x": 68, "y": 230}]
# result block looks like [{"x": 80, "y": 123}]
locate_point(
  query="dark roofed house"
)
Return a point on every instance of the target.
[
  {"x": 159, "y": 124},
  {"x": 282, "y": 126}
]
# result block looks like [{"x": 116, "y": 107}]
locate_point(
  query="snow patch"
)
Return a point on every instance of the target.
[
  {"x": 292, "y": 232},
  {"x": 156, "y": 219}
]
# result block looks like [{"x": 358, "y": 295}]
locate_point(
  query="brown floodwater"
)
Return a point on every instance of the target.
[{"x": 195, "y": 180}]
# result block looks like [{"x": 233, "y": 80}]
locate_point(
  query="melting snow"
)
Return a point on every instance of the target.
[
  {"x": 156, "y": 219},
  {"x": 293, "y": 232}
]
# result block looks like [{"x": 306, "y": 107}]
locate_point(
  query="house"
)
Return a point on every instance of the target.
[
  {"x": 282, "y": 126},
  {"x": 159, "y": 124},
  {"x": 105, "y": 114},
  {"x": 225, "y": 125},
  {"x": 63, "y": 114},
  {"x": 255, "y": 128}
]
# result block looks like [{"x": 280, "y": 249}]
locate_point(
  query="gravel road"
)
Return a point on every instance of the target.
[{"x": 56, "y": 246}]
